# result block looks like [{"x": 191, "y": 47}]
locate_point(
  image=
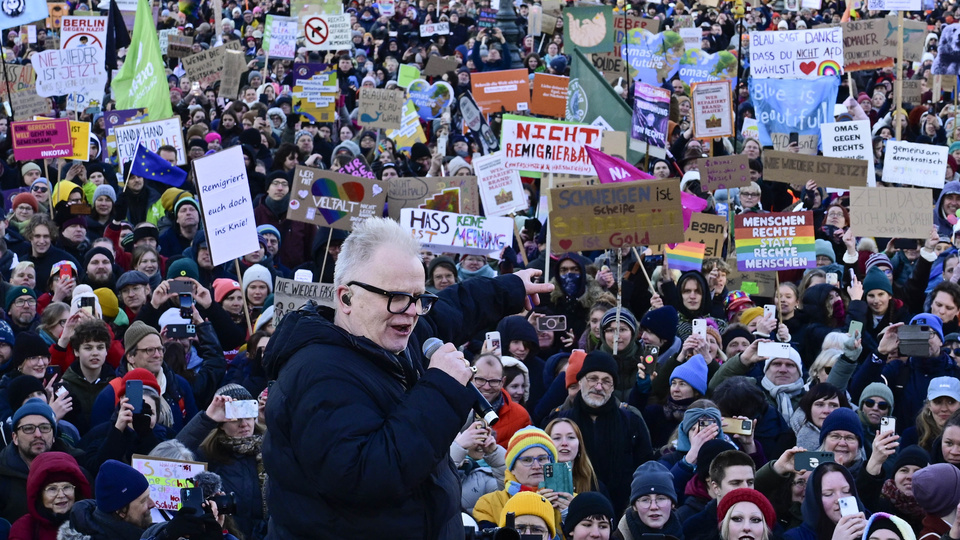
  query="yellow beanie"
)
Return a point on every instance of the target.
[
  {"x": 528, "y": 503},
  {"x": 748, "y": 315},
  {"x": 171, "y": 196},
  {"x": 108, "y": 302}
]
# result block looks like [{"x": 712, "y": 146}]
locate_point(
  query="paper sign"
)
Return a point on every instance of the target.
[
  {"x": 166, "y": 477},
  {"x": 894, "y": 5},
  {"x": 334, "y": 200},
  {"x": 205, "y": 67},
  {"x": 691, "y": 38},
  {"x": 500, "y": 187},
  {"x": 408, "y": 73},
  {"x": 446, "y": 232},
  {"x": 763, "y": 284},
  {"x": 77, "y": 70},
  {"x": 651, "y": 114},
  {"x": 39, "y": 139},
  {"x": 234, "y": 64},
  {"x": 791, "y": 168},
  {"x": 709, "y": 230},
  {"x": 864, "y": 46},
  {"x": 849, "y": 140},
  {"x": 290, "y": 295},
  {"x": 83, "y": 32},
  {"x": 456, "y": 194},
  {"x": 164, "y": 37},
  {"x": 438, "y": 65},
  {"x": 712, "y": 109},
  {"x": 615, "y": 215},
  {"x": 549, "y": 96},
  {"x": 280, "y": 36},
  {"x": 179, "y": 46},
  {"x": 227, "y": 205},
  {"x": 548, "y": 147},
  {"x": 80, "y": 137},
  {"x": 315, "y": 92},
  {"x": 724, "y": 172},
  {"x": 435, "y": 29},
  {"x": 487, "y": 18},
  {"x": 496, "y": 91},
  {"x": 914, "y": 164},
  {"x": 775, "y": 241},
  {"x": 380, "y": 108},
  {"x": 152, "y": 135},
  {"x": 326, "y": 32},
  {"x": 891, "y": 212},
  {"x": 796, "y": 54}
]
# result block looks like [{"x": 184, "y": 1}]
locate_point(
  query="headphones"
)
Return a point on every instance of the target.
[{"x": 345, "y": 298}]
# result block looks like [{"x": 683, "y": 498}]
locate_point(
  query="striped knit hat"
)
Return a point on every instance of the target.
[{"x": 525, "y": 439}]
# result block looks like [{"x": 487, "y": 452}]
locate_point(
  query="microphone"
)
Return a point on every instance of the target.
[{"x": 481, "y": 406}]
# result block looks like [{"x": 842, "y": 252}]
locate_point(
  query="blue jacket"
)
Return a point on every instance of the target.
[
  {"x": 908, "y": 381},
  {"x": 178, "y": 395}
]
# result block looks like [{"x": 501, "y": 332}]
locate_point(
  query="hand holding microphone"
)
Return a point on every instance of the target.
[{"x": 446, "y": 357}]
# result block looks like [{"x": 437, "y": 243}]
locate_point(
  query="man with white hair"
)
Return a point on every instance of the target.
[
  {"x": 781, "y": 376},
  {"x": 357, "y": 413}
]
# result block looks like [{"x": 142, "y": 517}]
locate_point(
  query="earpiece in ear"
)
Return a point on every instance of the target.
[{"x": 345, "y": 299}]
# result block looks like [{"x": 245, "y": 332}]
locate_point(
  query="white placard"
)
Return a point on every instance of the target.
[
  {"x": 692, "y": 38},
  {"x": 435, "y": 29},
  {"x": 280, "y": 39},
  {"x": 152, "y": 135},
  {"x": 894, "y": 5},
  {"x": 796, "y": 54},
  {"x": 447, "y": 232},
  {"x": 166, "y": 477},
  {"x": 79, "y": 70},
  {"x": 849, "y": 140},
  {"x": 83, "y": 32},
  {"x": 326, "y": 32},
  {"x": 529, "y": 145},
  {"x": 914, "y": 164},
  {"x": 227, "y": 205},
  {"x": 501, "y": 191},
  {"x": 164, "y": 37}
]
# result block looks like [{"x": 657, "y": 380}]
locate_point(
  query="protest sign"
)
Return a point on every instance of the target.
[
  {"x": 791, "y": 168},
  {"x": 542, "y": 146},
  {"x": 750, "y": 129},
  {"x": 685, "y": 256},
  {"x": 166, "y": 478},
  {"x": 712, "y": 109},
  {"x": 227, "y": 205},
  {"x": 549, "y": 96},
  {"x": 849, "y": 140},
  {"x": 788, "y": 106},
  {"x": 894, "y": 5},
  {"x": 205, "y": 67},
  {"x": 280, "y": 36},
  {"x": 407, "y": 74},
  {"x": 438, "y": 65},
  {"x": 651, "y": 114},
  {"x": 39, "y": 139},
  {"x": 326, "y": 32},
  {"x": 333, "y": 200},
  {"x": 435, "y": 29},
  {"x": 446, "y": 232},
  {"x": 487, "y": 18},
  {"x": 290, "y": 295},
  {"x": 233, "y": 67},
  {"x": 164, "y": 37},
  {"x": 380, "y": 108},
  {"x": 615, "y": 215},
  {"x": 315, "y": 92},
  {"x": 762, "y": 284},
  {"x": 775, "y": 241},
  {"x": 410, "y": 131},
  {"x": 358, "y": 167},
  {"x": 912, "y": 91},
  {"x": 891, "y": 212},
  {"x": 152, "y": 135},
  {"x": 21, "y": 91},
  {"x": 796, "y": 54},
  {"x": 589, "y": 28},
  {"x": 709, "y": 230},
  {"x": 430, "y": 99},
  {"x": 724, "y": 172},
  {"x": 864, "y": 46},
  {"x": 388, "y": 7},
  {"x": 915, "y": 164},
  {"x": 83, "y": 32},
  {"x": 611, "y": 65},
  {"x": 78, "y": 70},
  {"x": 179, "y": 46},
  {"x": 80, "y": 140},
  {"x": 500, "y": 187},
  {"x": 914, "y": 37},
  {"x": 113, "y": 119},
  {"x": 496, "y": 91},
  {"x": 691, "y": 38},
  {"x": 457, "y": 194}
]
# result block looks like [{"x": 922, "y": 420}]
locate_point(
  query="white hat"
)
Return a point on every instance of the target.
[
  {"x": 792, "y": 355},
  {"x": 688, "y": 177}
]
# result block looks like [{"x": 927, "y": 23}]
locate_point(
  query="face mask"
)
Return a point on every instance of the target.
[
  {"x": 462, "y": 153},
  {"x": 570, "y": 283},
  {"x": 839, "y": 313}
]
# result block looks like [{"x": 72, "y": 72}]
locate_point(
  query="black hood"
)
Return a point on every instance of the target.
[
  {"x": 517, "y": 327},
  {"x": 815, "y": 302},
  {"x": 703, "y": 310}
]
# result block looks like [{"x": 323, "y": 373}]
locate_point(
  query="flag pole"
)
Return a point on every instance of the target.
[
  {"x": 6, "y": 82},
  {"x": 326, "y": 252}
]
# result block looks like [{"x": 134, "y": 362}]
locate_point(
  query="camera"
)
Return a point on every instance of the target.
[{"x": 226, "y": 504}]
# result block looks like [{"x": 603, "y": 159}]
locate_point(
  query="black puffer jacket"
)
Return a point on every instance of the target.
[{"x": 358, "y": 438}]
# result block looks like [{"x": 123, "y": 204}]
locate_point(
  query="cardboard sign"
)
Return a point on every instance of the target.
[
  {"x": 763, "y": 284},
  {"x": 549, "y": 95},
  {"x": 280, "y": 36},
  {"x": 912, "y": 91},
  {"x": 380, "y": 108},
  {"x": 456, "y": 194},
  {"x": 791, "y": 168},
  {"x": 152, "y": 135},
  {"x": 179, "y": 46},
  {"x": 615, "y": 215},
  {"x": 315, "y": 92},
  {"x": 227, "y": 205},
  {"x": 80, "y": 137},
  {"x": 500, "y": 187},
  {"x": 589, "y": 28},
  {"x": 21, "y": 91},
  {"x": 712, "y": 109},
  {"x": 864, "y": 45},
  {"x": 914, "y": 164},
  {"x": 234, "y": 63},
  {"x": 724, "y": 172},
  {"x": 446, "y": 232},
  {"x": 435, "y": 29},
  {"x": 849, "y": 140},
  {"x": 611, "y": 65},
  {"x": 796, "y": 54},
  {"x": 914, "y": 37},
  {"x": 326, "y": 32},
  {"x": 438, "y": 65},
  {"x": 775, "y": 241},
  {"x": 709, "y": 230},
  {"x": 334, "y": 200},
  {"x": 651, "y": 114},
  {"x": 166, "y": 477},
  {"x": 39, "y": 139},
  {"x": 891, "y": 212},
  {"x": 205, "y": 67},
  {"x": 548, "y": 147},
  {"x": 496, "y": 91},
  {"x": 77, "y": 70},
  {"x": 290, "y": 295},
  {"x": 410, "y": 132}
]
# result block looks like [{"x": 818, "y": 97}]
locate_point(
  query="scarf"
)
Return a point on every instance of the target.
[
  {"x": 606, "y": 436},
  {"x": 627, "y": 357},
  {"x": 248, "y": 446},
  {"x": 279, "y": 208},
  {"x": 906, "y": 506},
  {"x": 782, "y": 394},
  {"x": 674, "y": 409},
  {"x": 484, "y": 271},
  {"x": 638, "y": 528}
]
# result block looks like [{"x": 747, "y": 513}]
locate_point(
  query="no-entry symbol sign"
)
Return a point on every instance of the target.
[
  {"x": 326, "y": 31},
  {"x": 316, "y": 31}
]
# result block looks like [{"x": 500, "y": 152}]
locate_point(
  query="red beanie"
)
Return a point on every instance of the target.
[
  {"x": 141, "y": 374},
  {"x": 26, "y": 198},
  {"x": 222, "y": 287},
  {"x": 747, "y": 495}
]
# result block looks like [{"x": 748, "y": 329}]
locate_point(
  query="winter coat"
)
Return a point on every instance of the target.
[
  {"x": 178, "y": 396},
  {"x": 85, "y": 393},
  {"x": 703, "y": 526},
  {"x": 89, "y": 523},
  {"x": 47, "y": 468},
  {"x": 944, "y": 227},
  {"x": 908, "y": 381},
  {"x": 376, "y": 451},
  {"x": 488, "y": 508},
  {"x": 512, "y": 417},
  {"x": 296, "y": 245}
]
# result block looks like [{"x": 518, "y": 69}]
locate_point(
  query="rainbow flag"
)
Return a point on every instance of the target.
[{"x": 685, "y": 256}]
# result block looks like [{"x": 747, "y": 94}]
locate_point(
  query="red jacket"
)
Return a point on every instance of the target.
[
  {"x": 513, "y": 417},
  {"x": 46, "y": 468}
]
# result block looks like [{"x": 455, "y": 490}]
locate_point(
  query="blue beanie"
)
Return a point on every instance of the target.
[
  {"x": 6, "y": 333},
  {"x": 269, "y": 229},
  {"x": 662, "y": 322},
  {"x": 652, "y": 478},
  {"x": 929, "y": 320},
  {"x": 118, "y": 485},
  {"x": 35, "y": 406},
  {"x": 693, "y": 372},
  {"x": 842, "y": 419},
  {"x": 824, "y": 248}
]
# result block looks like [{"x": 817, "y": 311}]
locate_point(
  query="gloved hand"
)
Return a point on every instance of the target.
[
  {"x": 192, "y": 524},
  {"x": 852, "y": 348}
]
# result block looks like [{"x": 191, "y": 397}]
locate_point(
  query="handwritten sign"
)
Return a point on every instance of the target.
[
  {"x": 791, "y": 168},
  {"x": 548, "y": 147},
  {"x": 915, "y": 164},
  {"x": 166, "y": 477},
  {"x": 380, "y": 108},
  {"x": 435, "y": 29},
  {"x": 438, "y": 65},
  {"x": 39, "y": 139},
  {"x": 775, "y": 241},
  {"x": 724, "y": 172},
  {"x": 151, "y": 135},
  {"x": 762, "y": 284},
  {"x": 76, "y": 70},
  {"x": 709, "y": 230},
  {"x": 280, "y": 36},
  {"x": 290, "y": 295},
  {"x": 712, "y": 109},
  {"x": 615, "y": 215},
  {"x": 864, "y": 46},
  {"x": 334, "y": 200},
  {"x": 179, "y": 46},
  {"x": 456, "y": 194},
  {"x": 227, "y": 205},
  {"x": 500, "y": 187},
  {"x": 849, "y": 140},
  {"x": 233, "y": 66},
  {"x": 205, "y": 67},
  {"x": 796, "y": 54},
  {"x": 446, "y": 232},
  {"x": 891, "y": 212}
]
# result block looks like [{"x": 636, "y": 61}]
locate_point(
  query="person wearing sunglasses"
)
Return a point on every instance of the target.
[{"x": 876, "y": 402}]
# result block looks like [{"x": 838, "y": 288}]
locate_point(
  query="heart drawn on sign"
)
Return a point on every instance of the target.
[
  {"x": 430, "y": 100},
  {"x": 565, "y": 244},
  {"x": 808, "y": 67},
  {"x": 303, "y": 193},
  {"x": 349, "y": 191}
]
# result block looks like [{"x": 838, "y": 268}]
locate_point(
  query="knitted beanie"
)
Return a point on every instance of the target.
[
  {"x": 733, "y": 333},
  {"x": 937, "y": 488},
  {"x": 747, "y": 495},
  {"x": 750, "y": 314},
  {"x": 693, "y": 372},
  {"x": 37, "y": 406},
  {"x": 17, "y": 292},
  {"x": 884, "y": 521},
  {"x": 927, "y": 319},
  {"x": 528, "y": 503},
  {"x": 792, "y": 355},
  {"x": 118, "y": 485},
  {"x": 599, "y": 361},
  {"x": 269, "y": 229},
  {"x": 584, "y": 505},
  {"x": 876, "y": 279},
  {"x": 139, "y": 374},
  {"x": 574, "y": 364},
  {"x": 29, "y": 345},
  {"x": 878, "y": 259},
  {"x": 823, "y": 247},
  {"x": 235, "y": 391},
  {"x": 222, "y": 288},
  {"x": 652, "y": 478},
  {"x": 25, "y": 198},
  {"x": 105, "y": 189},
  {"x": 735, "y": 300},
  {"x": 525, "y": 439},
  {"x": 109, "y": 304},
  {"x": 662, "y": 322},
  {"x": 21, "y": 387},
  {"x": 626, "y": 317},
  {"x": 257, "y": 272},
  {"x": 6, "y": 333},
  {"x": 266, "y": 316},
  {"x": 842, "y": 419},
  {"x": 877, "y": 390},
  {"x": 912, "y": 455},
  {"x": 183, "y": 267},
  {"x": 135, "y": 333},
  {"x": 708, "y": 452}
]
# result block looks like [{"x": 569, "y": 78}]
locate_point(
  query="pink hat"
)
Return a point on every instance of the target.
[
  {"x": 222, "y": 288},
  {"x": 213, "y": 136}
]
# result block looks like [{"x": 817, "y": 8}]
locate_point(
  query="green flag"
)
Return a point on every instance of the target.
[
  {"x": 142, "y": 81},
  {"x": 591, "y": 100}
]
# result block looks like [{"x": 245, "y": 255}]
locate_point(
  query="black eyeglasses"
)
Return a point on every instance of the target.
[
  {"x": 955, "y": 351},
  {"x": 399, "y": 302},
  {"x": 871, "y": 403}
]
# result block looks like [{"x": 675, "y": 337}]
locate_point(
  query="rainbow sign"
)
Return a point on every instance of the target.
[
  {"x": 775, "y": 241},
  {"x": 686, "y": 256}
]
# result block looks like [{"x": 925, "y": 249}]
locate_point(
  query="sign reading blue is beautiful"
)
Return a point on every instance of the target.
[{"x": 784, "y": 106}]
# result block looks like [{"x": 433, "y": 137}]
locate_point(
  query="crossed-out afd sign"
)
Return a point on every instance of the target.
[{"x": 326, "y": 32}]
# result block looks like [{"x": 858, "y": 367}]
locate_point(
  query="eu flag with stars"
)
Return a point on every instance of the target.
[{"x": 151, "y": 166}]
